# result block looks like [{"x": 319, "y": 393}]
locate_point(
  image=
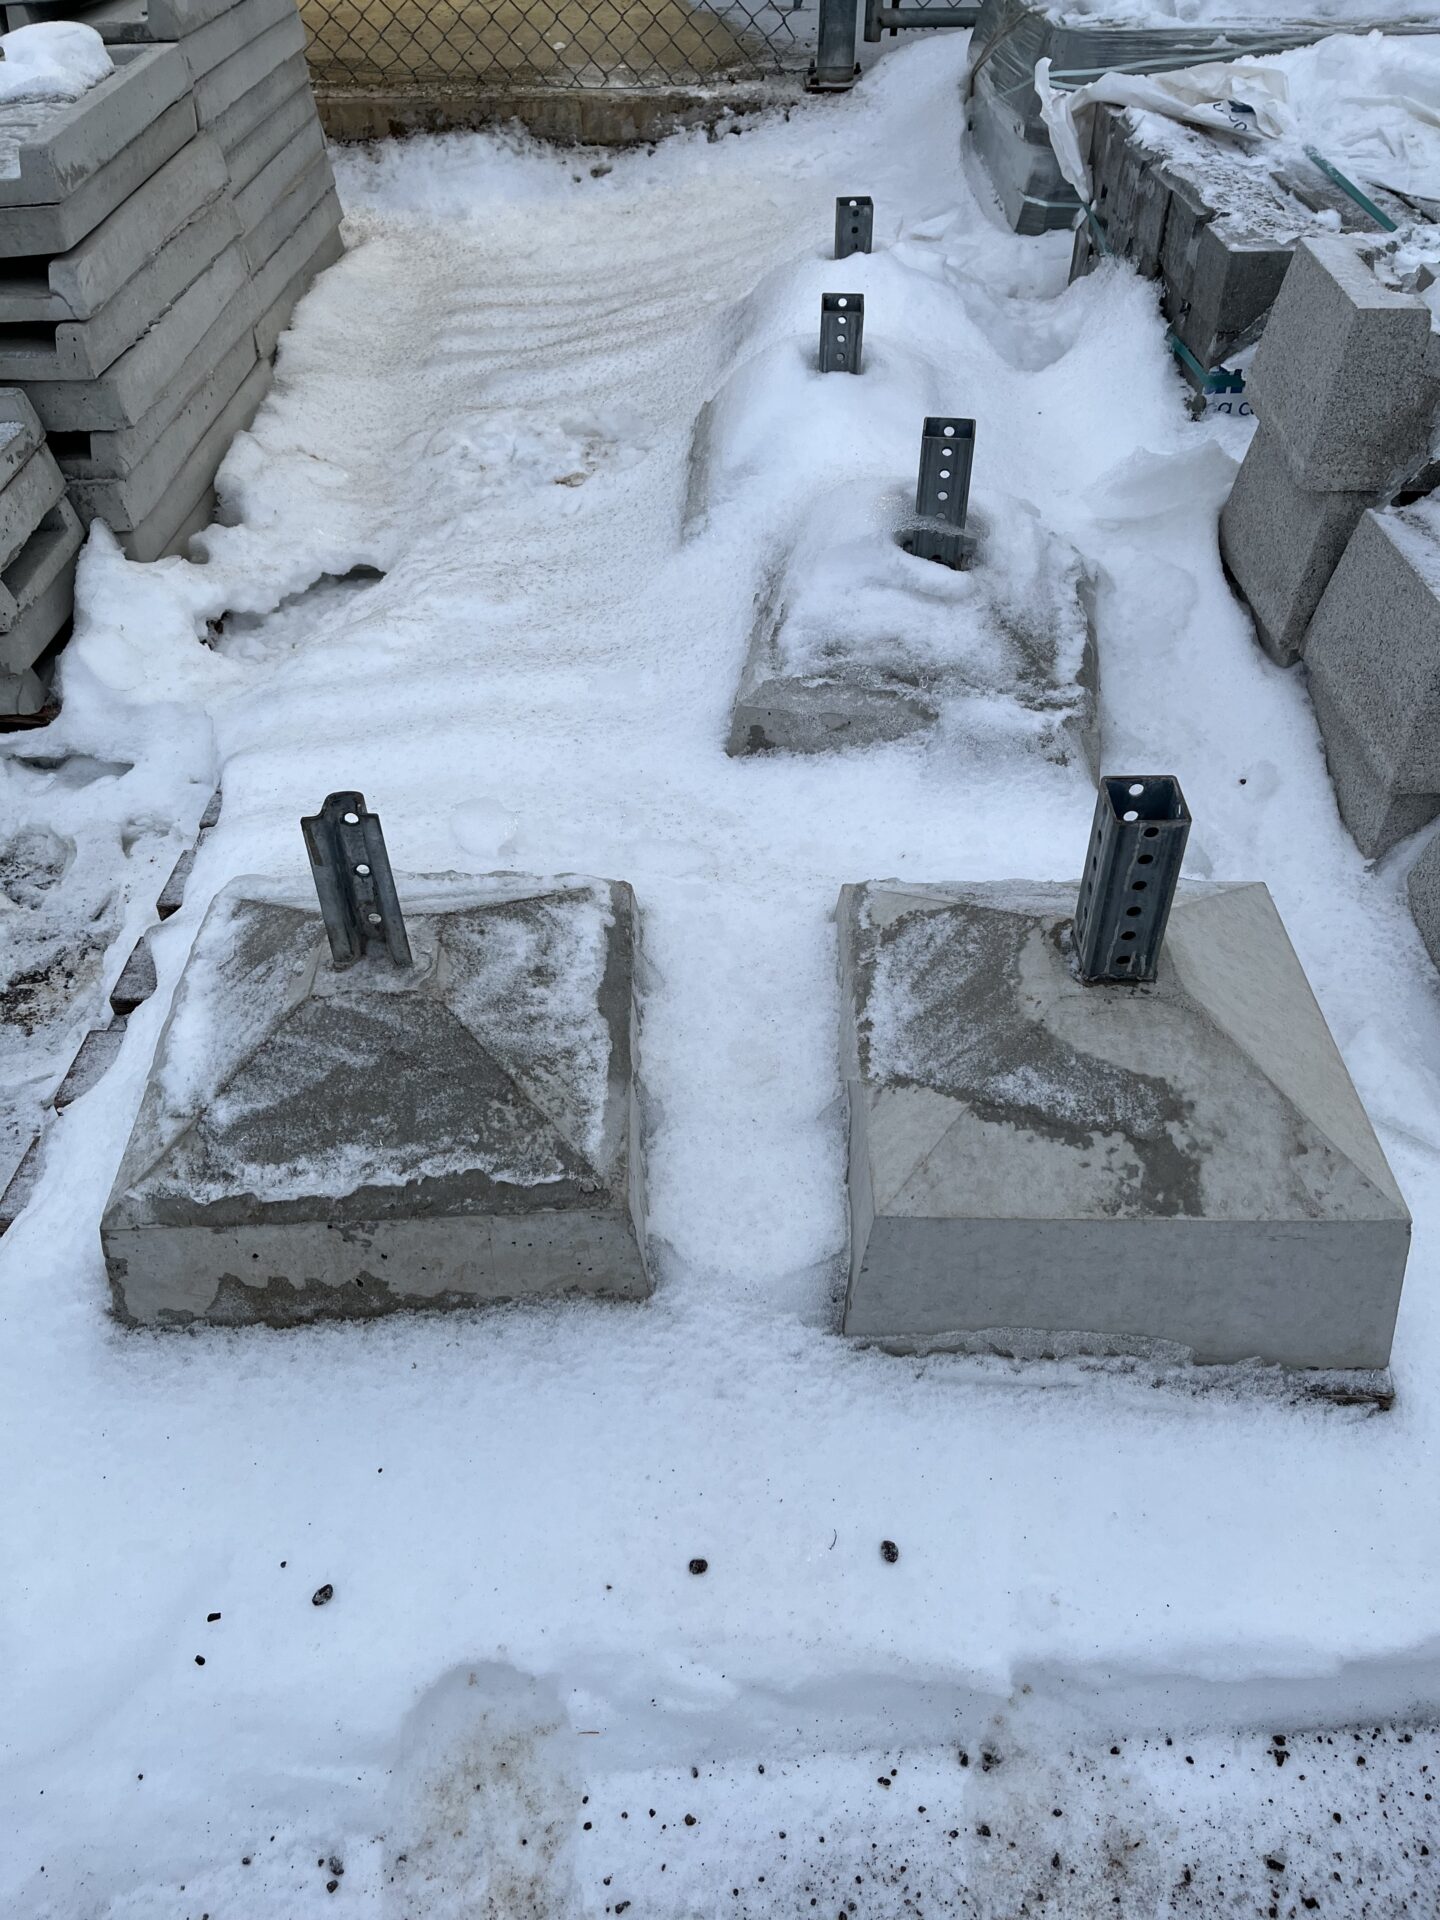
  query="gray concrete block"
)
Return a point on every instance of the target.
[
  {"x": 98, "y": 1053},
  {"x": 280, "y": 176},
  {"x": 317, "y": 1143},
  {"x": 198, "y": 390},
  {"x": 1281, "y": 543},
  {"x": 49, "y": 552},
  {"x": 141, "y": 22},
  {"x": 126, "y": 391},
  {"x": 20, "y": 433},
  {"x": 21, "y": 1184},
  {"x": 222, "y": 86},
  {"x": 35, "y": 629},
  {"x": 289, "y": 116},
  {"x": 171, "y": 471},
  {"x": 77, "y": 284},
  {"x": 1345, "y": 376},
  {"x": 1236, "y": 276},
  {"x": 233, "y": 128},
  {"x": 265, "y": 238},
  {"x": 57, "y": 226},
  {"x": 1378, "y": 812},
  {"x": 1040, "y": 1166},
  {"x": 26, "y": 500},
  {"x": 83, "y": 349},
  {"x": 136, "y": 981},
  {"x": 231, "y": 32},
  {"x": 1423, "y": 888},
  {"x": 319, "y": 254},
  {"x": 81, "y": 137}
]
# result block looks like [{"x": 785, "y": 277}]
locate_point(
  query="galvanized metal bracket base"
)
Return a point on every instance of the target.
[
  {"x": 818, "y": 82},
  {"x": 946, "y": 546},
  {"x": 854, "y": 225},
  {"x": 842, "y": 332},
  {"x": 1136, "y": 846},
  {"x": 351, "y": 870}
]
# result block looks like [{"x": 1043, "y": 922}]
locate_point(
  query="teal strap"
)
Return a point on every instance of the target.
[{"x": 1361, "y": 200}]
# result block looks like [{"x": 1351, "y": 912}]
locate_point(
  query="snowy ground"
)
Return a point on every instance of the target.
[{"x": 1117, "y": 1605}]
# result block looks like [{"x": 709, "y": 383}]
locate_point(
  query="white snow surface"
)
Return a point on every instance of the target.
[
  {"x": 51, "y": 60},
  {"x": 492, "y": 399}
]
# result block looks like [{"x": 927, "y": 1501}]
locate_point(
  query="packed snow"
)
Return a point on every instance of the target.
[{"x": 1136, "y": 1631}]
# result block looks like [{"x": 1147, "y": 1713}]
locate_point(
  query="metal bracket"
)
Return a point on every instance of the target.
[
  {"x": 947, "y": 451},
  {"x": 946, "y": 546},
  {"x": 842, "y": 331},
  {"x": 351, "y": 870},
  {"x": 854, "y": 225},
  {"x": 1136, "y": 847}
]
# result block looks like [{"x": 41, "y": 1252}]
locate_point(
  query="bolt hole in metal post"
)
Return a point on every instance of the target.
[{"x": 1140, "y": 821}]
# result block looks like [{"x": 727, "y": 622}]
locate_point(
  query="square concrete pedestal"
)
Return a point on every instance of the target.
[
  {"x": 316, "y": 1143},
  {"x": 1037, "y": 1166}
]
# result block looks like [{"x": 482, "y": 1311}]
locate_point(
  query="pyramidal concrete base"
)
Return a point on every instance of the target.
[
  {"x": 1181, "y": 1169},
  {"x": 316, "y": 1143}
]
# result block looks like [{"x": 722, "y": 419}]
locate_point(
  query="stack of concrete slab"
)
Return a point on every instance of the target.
[
  {"x": 39, "y": 540},
  {"x": 246, "y": 61},
  {"x": 318, "y": 1143},
  {"x": 1215, "y": 222},
  {"x": 1041, "y": 1166},
  {"x": 1345, "y": 383},
  {"x": 1373, "y": 658}
]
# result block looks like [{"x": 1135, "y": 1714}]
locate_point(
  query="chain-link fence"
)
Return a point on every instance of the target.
[{"x": 555, "y": 43}]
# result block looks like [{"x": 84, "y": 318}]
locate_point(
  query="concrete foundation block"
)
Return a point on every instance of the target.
[
  {"x": 232, "y": 79},
  {"x": 171, "y": 472},
  {"x": 233, "y": 128},
  {"x": 125, "y": 392},
  {"x": 1346, "y": 375},
  {"x": 268, "y": 235},
  {"x": 49, "y": 552},
  {"x": 25, "y": 501},
  {"x": 1423, "y": 887},
  {"x": 83, "y": 349},
  {"x": 1281, "y": 543},
  {"x": 1373, "y": 648},
  {"x": 318, "y": 1144},
  {"x": 1039, "y": 1166},
  {"x": 56, "y": 157},
  {"x": 319, "y": 253},
  {"x": 78, "y": 284},
  {"x": 57, "y": 226}
]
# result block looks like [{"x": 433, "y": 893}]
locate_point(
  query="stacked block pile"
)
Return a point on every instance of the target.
[
  {"x": 1215, "y": 224},
  {"x": 1345, "y": 385},
  {"x": 39, "y": 540},
  {"x": 155, "y": 236}
]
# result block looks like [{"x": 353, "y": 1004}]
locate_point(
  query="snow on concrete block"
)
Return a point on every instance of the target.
[
  {"x": 1345, "y": 376},
  {"x": 1040, "y": 1166},
  {"x": 322, "y": 1143},
  {"x": 1281, "y": 542},
  {"x": 53, "y": 149},
  {"x": 859, "y": 641}
]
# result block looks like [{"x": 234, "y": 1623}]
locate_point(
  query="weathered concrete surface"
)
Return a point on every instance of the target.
[
  {"x": 268, "y": 234},
  {"x": 315, "y": 245},
  {"x": 592, "y": 116},
  {"x": 25, "y": 500},
  {"x": 55, "y": 226},
  {"x": 35, "y": 593},
  {"x": 859, "y": 642},
  {"x": 81, "y": 136},
  {"x": 220, "y": 88},
  {"x": 1281, "y": 542},
  {"x": 287, "y": 115},
  {"x": 20, "y": 433},
  {"x": 317, "y": 1144},
  {"x": 1040, "y": 1166},
  {"x": 1346, "y": 374},
  {"x": 281, "y": 174},
  {"x": 1423, "y": 888}
]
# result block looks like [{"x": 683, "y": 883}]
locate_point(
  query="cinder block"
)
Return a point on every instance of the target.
[
  {"x": 250, "y": 113},
  {"x": 171, "y": 472},
  {"x": 25, "y": 502},
  {"x": 57, "y": 226},
  {"x": 281, "y": 176},
  {"x": 34, "y": 630},
  {"x": 1423, "y": 887},
  {"x": 223, "y": 85},
  {"x": 71, "y": 145},
  {"x": 290, "y": 115},
  {"x": 318, "y": 254},
  {"x": 77, "y": 284},
  {"x": 83, "y": 349},
  {"x": 1345, "y": 376},
  {"x": 49, "y": 552},
  {"x": 225, "y": 349},
  {"x": 1281, "y": 544},
  {"x": 265, "y": 238},
  {"x": 1037, "y": 1165},
  {"x": 371, "y": 1139},
  {"x": 126, "y": 391}
]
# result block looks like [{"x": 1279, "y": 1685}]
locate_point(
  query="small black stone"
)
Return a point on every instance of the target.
[
  {"x": 699, "y": 1566},
  {"x": 322, "y": 1595}
]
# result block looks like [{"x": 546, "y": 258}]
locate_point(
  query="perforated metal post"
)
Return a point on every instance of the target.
[
  {"x": 1133, "y": 862},
  {"x": 942, "y": 494},
  {"x": 351, "y": 870},
  {"x": 842, "y": 331},
  {"x": 854, "y": 225}
]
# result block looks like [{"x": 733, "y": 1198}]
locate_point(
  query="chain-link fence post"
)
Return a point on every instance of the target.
[{"x": 834, "y": 68}]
